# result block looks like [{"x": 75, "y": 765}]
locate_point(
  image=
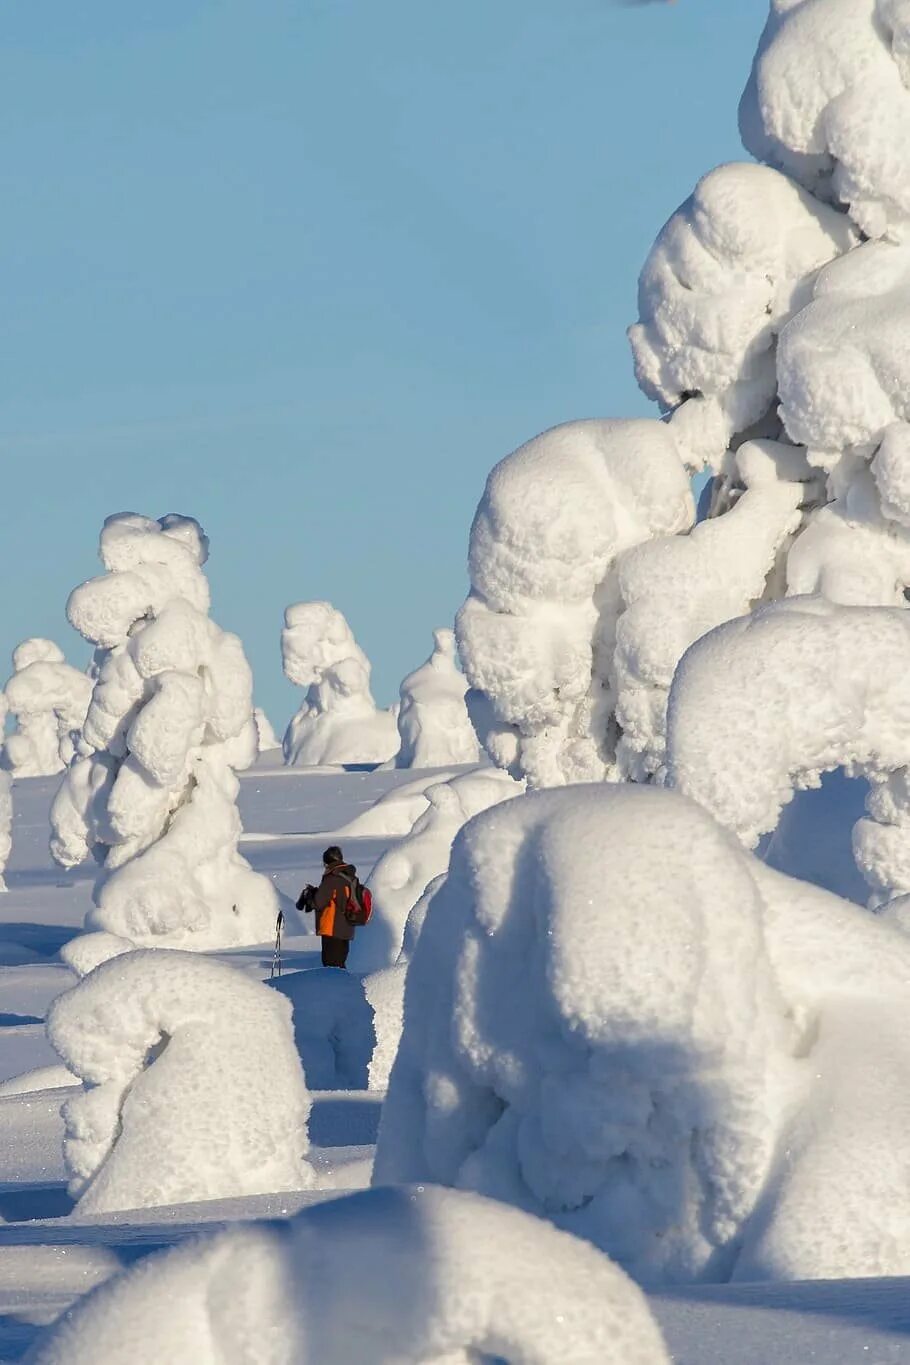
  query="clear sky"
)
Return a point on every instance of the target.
[{"x": 306, "y": 269}]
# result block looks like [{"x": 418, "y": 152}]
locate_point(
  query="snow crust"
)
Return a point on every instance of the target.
[
  {"x": 403, "y": 873},
  {"x": 48, "y": 700},
  {"x": 829, "y": 102},
  {"x": 536, "y": 634},
  {"x": 815, "y": 686},
  {"x": 153, "y": 796},
  {"x": 618, "y": 1018},
  {"x": 433, "y": 721},
  {"x": 192, "y": 1085},
  {"x": 338, "y": 721},
  {"x": 452, "y": 1278}
]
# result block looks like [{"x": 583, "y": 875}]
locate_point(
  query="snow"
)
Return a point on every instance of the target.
[
  {"x": 47, "y": 699},
  {"x": 433, "y": 720},
  {"x": 446, "y": 1277},
  {"x": 617, "y": 1018},
  {"x": 153, "y": 796},
  {"x": 192, "y": 1086},
  {"x": 724, "y": 276},
  {"x": 536, "y": 633},
  {"x": 6, "y": 822},
  {"x": 816, "y": 686},
  {"x": 829, "y": 102},
  {"x": 403, "y": 874},
  {"x": 265, "y": 734},
  {"x": 338, "y": 721}
]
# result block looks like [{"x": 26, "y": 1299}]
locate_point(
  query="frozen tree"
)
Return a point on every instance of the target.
[
  {"x": 265, "y": 735},
  {"x": 618, "y": 1018},
  {"x": 774, "y": 311},
  {"x": 47, "y": 699},
  {"x": 192, "y": 1085},
  {"x": 6, "y": 823},
  {"x": 433, "y": 720},
  {"x": 339, "y": 721},
  {"x": 153, "y": 796},
  {"x": 457, "y": 1279}
]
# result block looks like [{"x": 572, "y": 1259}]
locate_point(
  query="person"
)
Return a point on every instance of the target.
[{"x": 328, "y": 901}]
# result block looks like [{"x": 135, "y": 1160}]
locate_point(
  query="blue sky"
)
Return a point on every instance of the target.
[{"x": 307, "y": 270}]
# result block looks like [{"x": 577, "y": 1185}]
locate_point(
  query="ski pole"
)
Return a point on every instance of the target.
[{"x": 276, "y": 956}]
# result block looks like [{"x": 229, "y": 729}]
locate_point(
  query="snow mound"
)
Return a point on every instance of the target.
[
  {"x": 726, "y": 273},
  {"x": 404, "y": 871},
  {"x": 458, "y": 1279},
  {"x": 265, "y": 734},
  {"x": 394, "y": 813},
  {"x": 192, "y": 1087},
  {"x": 536, "y": 634},
  {"x": 339, "y": 721},
  {"x": 618, "y": 1018},
  {"x": 153, "y": 798},
  {"x": 6, "y": 823},
  {"x": 815, "y": 686},
  {"x": 433, "y": 720},
  {"x": 48, "y": 700},
  {"x": 829, "y": 102}
]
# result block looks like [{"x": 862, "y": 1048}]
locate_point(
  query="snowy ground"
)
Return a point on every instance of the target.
[{"x": 48, "y": 1256}]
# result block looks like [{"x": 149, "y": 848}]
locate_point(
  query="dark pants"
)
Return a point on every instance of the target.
[{"x": 334, "y": 951}]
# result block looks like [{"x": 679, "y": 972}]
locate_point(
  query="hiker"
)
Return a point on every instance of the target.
[{"x": 335, "y": 907}]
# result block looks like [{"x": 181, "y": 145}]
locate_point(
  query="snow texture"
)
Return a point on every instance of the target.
[
  {"x": 618, "y": 1018},
  {"x": 441, "y": 1276},
  {"x": 829, "y": 103},
  {"x": 346, "y": 1027},
  {"x": 404, "y": 871},
  {"x": 433, "y": 721},
  {"x": 816, "y": 686},
  {"x": 48, "y": 700},
  {"x": 265, "y": 734},
  {"x": 192, "y": 1086},
  {"x": 153, "y": 798},
  {"x": 339, "y": 721},
  {"x": 6, "y": 823},
  {"x": 537, "y": 633}
]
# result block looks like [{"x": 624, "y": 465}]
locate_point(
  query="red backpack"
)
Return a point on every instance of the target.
[{"x": 359, "y": 905}]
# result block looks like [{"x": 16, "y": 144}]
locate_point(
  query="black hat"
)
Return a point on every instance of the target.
[{"x": 333, "y": 855}]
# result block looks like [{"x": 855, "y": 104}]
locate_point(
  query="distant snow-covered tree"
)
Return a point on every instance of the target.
[
  {"x": 339, "y": 721},
  {"x": 153, "y": 798},
  {"x": 47, "y": 699},
  {"x": 433, "y": 720}
]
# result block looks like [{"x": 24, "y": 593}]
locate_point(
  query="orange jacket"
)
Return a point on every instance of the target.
[{"x": 330, "y": 900}]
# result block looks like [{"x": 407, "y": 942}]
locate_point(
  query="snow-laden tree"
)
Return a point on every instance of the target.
[
  {"x": 192, "y": 1085},
  {"x": 47, "y": 699},
  {"x": 153, "y": 796},
  {"x": 618, "y": 1018},
  {"x": 265, "y": 734},
  {"x": 6, "y": 823},
  {"x": 338, "y": 721},
  {"x": 773, "y": 333},
  {"x": 433, "y": 720}
]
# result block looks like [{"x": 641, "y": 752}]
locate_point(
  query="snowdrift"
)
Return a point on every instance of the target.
[
  {"x": 446, "y": 1277},
  {"x": 617, "y": 1018}
]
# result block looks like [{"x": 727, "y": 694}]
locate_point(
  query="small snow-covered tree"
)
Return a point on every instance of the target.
[
  {"x": 265, "y": 735},
  {"x": 153, "y": 798},
  {"x": 339, "y": 721},
  {"x": 47, "y": 699},
  {"x": 773, "y": 314},
  {"x": 6, "y": 823},
  {"x": 433, "y": 720},
  {"x": 459, "y": 1279},
  {"x": 192, "y": 1085}
]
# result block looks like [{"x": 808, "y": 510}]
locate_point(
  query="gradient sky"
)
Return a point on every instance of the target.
[{"x": 306, "y": 269}]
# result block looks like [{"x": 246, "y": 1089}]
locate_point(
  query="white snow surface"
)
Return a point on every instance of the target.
[
  {"x": 537, "y": 633},
  {"x": 618, "y": 1018},
  {"x": 433, "y": 721},
  {"x": 265, "y": 734},
  {"x": 192, "y": 1084},
  {"x": 346, "y": 1027},
  {"x": 338, "y": 721},
  {"x": 829, "y": 102},
  {"x": 443, "y": 1276},
  {"x": 6, "y": 822},
  {"x": 404, "y": 872},
  {"x": 47, "y": 699},
  {"x": 815, "y": 686},
  {"x": 153, "y": 798}
]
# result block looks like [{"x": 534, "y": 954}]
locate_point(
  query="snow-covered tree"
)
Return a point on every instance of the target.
[
  {"x": 265, "y": 734},
  {"x": 192, "y": 1085},
  {"x": 618, "y": 1018},
  {"x": 457, "y": 1279},
  {"x": 433, "y": 720},
  {"x": 774, "y": 316},
  {"x": 153, "y": 798},
  {"x": 339, "y": 721},
  {"x": 47, "y": 699}
]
